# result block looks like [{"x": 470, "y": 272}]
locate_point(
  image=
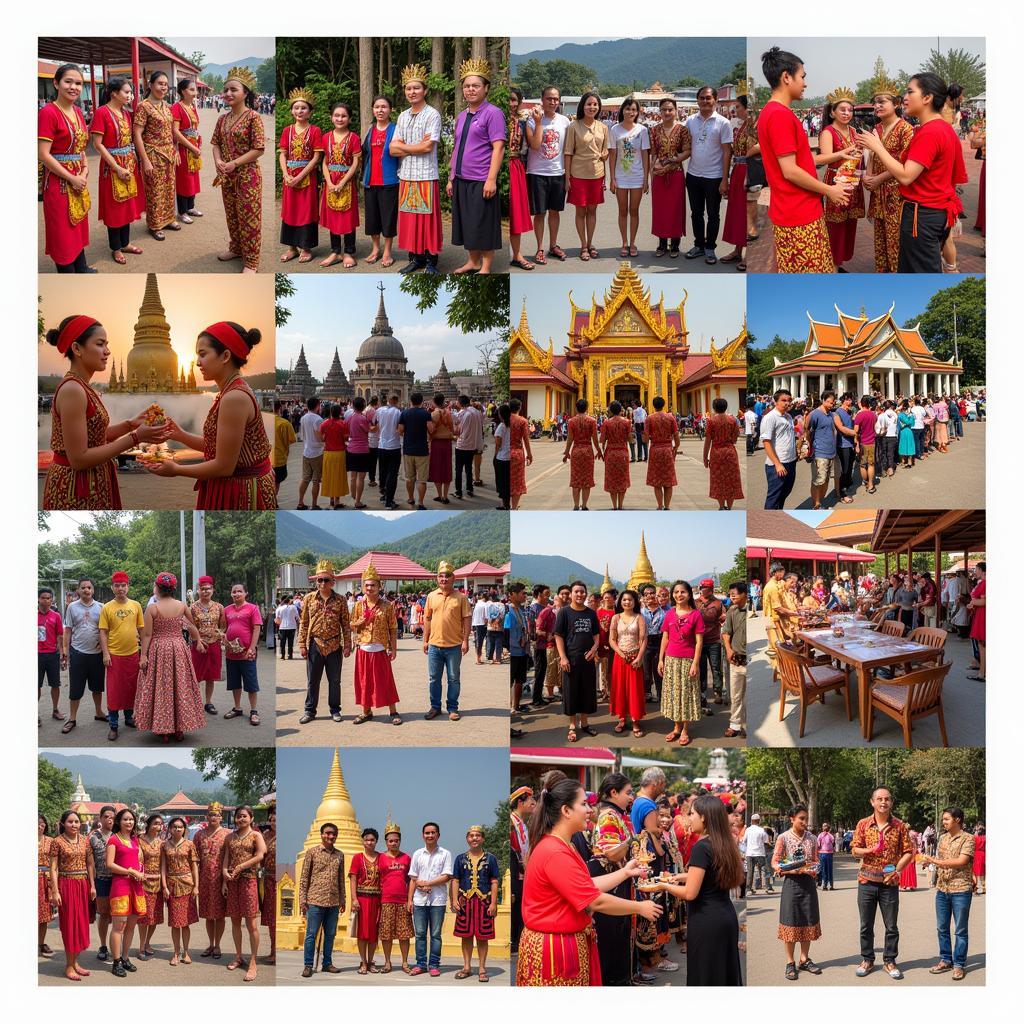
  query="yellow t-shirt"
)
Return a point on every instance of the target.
[
  {"x": 122, "y": 622},
  {"x": 284, "y": 437},
  {"x": 447, "y": 615},
  {"x": 771, "y": 598}
]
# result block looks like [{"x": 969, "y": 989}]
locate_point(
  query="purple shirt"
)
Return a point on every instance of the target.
[
  {"x": 358, "y": 433},
  {"x": 242, "y": 623},
  {"x": 864, "y": 422},
  {"x": 486, "y": 128},
  {"x": 826, "y": 842}
]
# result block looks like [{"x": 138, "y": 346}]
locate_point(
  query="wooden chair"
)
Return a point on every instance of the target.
[
  {"x": 909, "y": 697},
  {"x": 879, "y": 617},
  {"x": 808, "y": 681},
  {"x": 932, "y": 637},
  {"x": 892, "y": 627}
]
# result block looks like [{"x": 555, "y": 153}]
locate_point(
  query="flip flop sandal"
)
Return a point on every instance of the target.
[
  {"x": 174, "y": 227},
  {"x": 359, "y": 719},
  {"x": 558, "y": 252},
  {"x": 132, "y": 250},
  {"x": 233, "y": 713},
  {"x": 397, "y": 720},
  {"x": 588, "y": 730},
  {"x": 639, "y": 733},
  {"x": 731, "y": 258},
  {"x": 161, "y": 237},
  {"x": 459, "y": 975},
  {"x": 539, "y": 257},
  {"x": 685, "y": 741},
  {"x": 620, "y": 728},
  {"x": 594, "y": 253},
  {"x": 254, "y": 718},
  {"x": 634, "y": 251},
  {"x": 585, "y": 255},
  {"x": 522, "y": 264},
  {"x": 119, "y": 257},
  {"x": 287, "y": 257},
  {"x": 484, "y": 976},
  {"x": 390, "y": 263},
  {"x": 68, "y": 726},
  {"x": 306, "y": 258},
  {"x": 672, "y": 736},
  {"x": 572, "y": 737},
  {"x": 624, "y": 252},
  {"x": 370, "y": 260}
]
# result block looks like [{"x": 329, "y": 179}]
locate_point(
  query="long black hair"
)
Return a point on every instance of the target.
[
  {"x": 549, "y": 808},
  {"x": 113, "y": 85},
  {"x": 119, "y": 817}
]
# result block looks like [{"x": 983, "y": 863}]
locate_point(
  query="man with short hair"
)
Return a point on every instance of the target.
[
  {"x": 734, "y": 637},
  {"x": 286, "y": 618},
  {"x": 864, "y": 423},
  {"x": 927, "y": 603},
  {"x": 51, "y": 628},
  {"x": 546, "y": 184},
  {"x": 713, "y": 612},
  {"x": 707, "y": 173},
  {"x": 121, "y": 623},
  {"x": 755, "y": 857},
  {"x": 544, "y": 623},
  {"x": 240, "y": 641},
  {"x": 325, "y": 638},
  {"x": 639, "y": 419},
  {"x": 312, "y": 452},
  {"x": 81, "y": 651},
  {"x": 654, "y": 619},
  {"x": 822, "y": 442},
  {"x": 750, "y": 426},
  {"x": 776, "y": 606},
  {"x": 578, "y": 639},
  {"x": 98, "y": 839},
  {"x": 284, "y": 438},
  {"x": 446, "y": 624},
  {"x": 430, "y": 871},
  {"x": 778, "y": 435},
  {"x": 468, "y": 441},
  {"x": 479, "y": 625},
  {"x": 518, "y": 641},
  {"x": 322, "y": 898},
  {"x": 389, "y": 449},
  {"x": 412, "y": 428},
  {"x": 474, "y": 901}
]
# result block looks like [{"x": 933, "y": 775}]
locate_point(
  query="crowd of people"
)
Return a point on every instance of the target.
[
  {"x": 150, "y": 155},
  {"x": 630, "y": 649},
  {"x": 602, "y": 883},
  {"x": 121, "y": 872}
]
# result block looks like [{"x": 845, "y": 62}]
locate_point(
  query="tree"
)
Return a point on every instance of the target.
[
  {"x": 947, "y": 775},
  {"x": 365, "y": 80},
  {"x": 968, "y": 296},
  {"x": 496, "y": 838},
  {"x": 266, "y": 76},
  {"x": 738, "y": 571},
  {"x": 251, "y": 771},
  {"x": 965, "y": 69},
  {"x": 199, "y": 59},
  {"x": 283, "y": 289},
  {"x": 500, "y": 376},
  {"x": 737, "y": 74},
  {"x": 54, "y": 788},
  {"x": 761, "y": 361},
  {"x": 477, "y": 303},
  {"x": 570, "y": 78}
]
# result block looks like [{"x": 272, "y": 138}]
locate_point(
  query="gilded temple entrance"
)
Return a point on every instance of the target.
[{"x": 627, "y": 394}]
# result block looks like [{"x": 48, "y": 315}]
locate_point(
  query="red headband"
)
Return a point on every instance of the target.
[
  {"x": 229, "y": 338},
  {"x": 76, "y": 327},
  {"x": 167, "y": 579},
  {"x": 120, "y": 577},
  {"x": 205, "y": 579}
]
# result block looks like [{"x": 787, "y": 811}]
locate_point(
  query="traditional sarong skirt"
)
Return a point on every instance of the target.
[
  {"x": 251, "y": 491},
  {"x": 395, "y": 922},
  {"x": 799, "y": 919},
  {"x": 680, "y": 694},
  {"x": 519, "y": 220},
  {"x": 182, "y": 911},
  {"x": 734, "y": 230},
  {"x": 154, "y": 910},
  {"x": 128, "y": 898},
  {"x": 374, "y": 680},
  {"x": 472, "y": 920},
  {"x": 556, "y": 959},
  {"x": 45, "y": 909},
  {"x": 804, "y": 249},
  {"x": 268, "y": 908},
  {"x": 243, "y": 898},
  {"x": 439, "y": 470},
  {"x": 419, "y": 217},
  {"x": 122, "y": 681},
  {"x": 668, "y": 204},
  {"x": 73, "y": 913},
  {"x": 207, "y": 664},
  {"x": 368, "y": 918},
  {"x": 627, "y": 691},
  {"x": 476, "y": 221}
]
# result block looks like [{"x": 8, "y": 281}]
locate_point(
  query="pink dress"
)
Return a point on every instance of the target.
[
  {"x": 168, "y": 699},
  {"x": 127, "y": 897}
]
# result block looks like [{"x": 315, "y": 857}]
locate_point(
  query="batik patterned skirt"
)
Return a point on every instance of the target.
[
  {"x": 472, "y": 920},
  {"x": 182, "y": 911},
  {"x": 395, "y": 922},
  {"x": 154, "y": 912},
  {"x": 680, "y": 693},
  {"x": 661, "y": 465},
  {"x": 268, "y": 908},
  {"x": 558, "y": 959},
  {"x": 799, "y": 920},
  {"x": 243, "y": 898},
  {"x": 45, "y": 909},
  {"x": 804, "y": 249}
]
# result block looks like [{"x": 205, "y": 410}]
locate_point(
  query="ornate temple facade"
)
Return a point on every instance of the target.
[
  {"x": 381, "y": 366},
  {"x": 300, "y": 384},
  {"x": 864, "y": 355},
  {"x": 720, "y": 373},
  {"x": 336, "y": 384},
  {"x": 442, "y": 382}
]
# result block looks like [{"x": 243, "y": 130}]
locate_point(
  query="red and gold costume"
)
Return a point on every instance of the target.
[
  {"x": 154, "y": 121},
  {"x": 615, "y": 434},
  {"x": 72, "y": 861},
  {"x": 300, "y": 203},
  {"x": 207, "y": 619},
  {"x": 127, "y": 896},
  {"x": 181, "y": 904},
  {"x": 367, "y": 876},
  {"x": 520, "y": 221},
  {"x": 242, "y": 189},
  {"x": 209, "y": 844},
  {"x": 519, "y": 427},
  {"x": 734, "y": 226},
  {"x": 804, "y": 249},
  {"x": 668, "y": 185},
  {"x": 150, "y": 850},
  {"x": 65, "y": 209},
  {"x": 186, "y": 173},
  {"x": 582, "y": 434},
  {"x": 886, "y": 205},
  {"x": 376, "y": 628},
  {"x": 661, "y": 430},
  {"x": 43, "y": 861},
  {"x": 243, "y": 889},
  {"x": 841, "y": 218},
  {"x": 339, "y": 211},
  {"x": 121, "y": 202},
  {"x": 268, "y": 903},
  {"x": 725, "y": 484}
]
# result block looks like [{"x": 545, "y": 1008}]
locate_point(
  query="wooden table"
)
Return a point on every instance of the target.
[{"x": 865, "y": 649}]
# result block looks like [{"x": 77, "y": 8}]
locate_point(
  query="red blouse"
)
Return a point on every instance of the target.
[
  {"x": 780, "y": 133},
  {"x": 557, "y": 889}
]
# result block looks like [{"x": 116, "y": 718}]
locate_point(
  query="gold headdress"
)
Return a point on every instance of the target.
[
  {"x": 414, "y": 73},
  {"x": 370, "y": 573},
  {"x": 301, "y": 93},
  {"x": 243, "y": 75},
  {"x": 215, "y": 807},
  {"x": 475, "y": 828},
  {"x": 885, "y": 86},
  {"x": 475, "y": 66},
  {"x": 391, "y": 826},
  {"x": 841, "y": 94},
  {"x": 325, "y": 566},
  {"x": 445, "y": 566}
]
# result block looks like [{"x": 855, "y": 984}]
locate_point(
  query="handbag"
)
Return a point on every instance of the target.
[
  {"x": 353, "y": 923},
  {"x": 755, "y": 172}
]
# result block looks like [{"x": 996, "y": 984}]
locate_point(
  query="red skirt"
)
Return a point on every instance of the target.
[
  {"x": 980, "y": 222},
  {"x": 439, "y": 469},
  {"x": 661, "y": 466},
  {"x": 301, "y": 206},
  {"x": 154, "y": 909},
  {"x": 186, "y": 183},
  {"x": 243, "y": 898},
  {"x": 842, "y": 238},
  {"x": 73, "y": 913},
  {"x": 419, "y": 217},
  {"x": 628, "y": 699},
  {"x": 246, "y": 493},
  {"x": 734, "y": 230},
  {"x": 586, "y": 191},
  {"x": 45, "y": 910},
  {"x": 127, "y": 898},
  {"x": 616, "y": 469},
  {"x": 581, "y": 467},
  {"x": 182, "y": 911},
  {"x": 517, "y": 471},
  {"x": 268, "y": 908},
  {"x": 725, "y": 474},
  {"x": 472, "y": 920},
  {"x": 207, "y": 665},
  {"x": 116, "y": 213},
  {"x": 368, "y": 918},
  {"x": 122, "y": 681},
  {"x": 668, "y": 205},
  {"x": 339, "y": 222},
  {"x": 64, "y": 240},
  {"x": 557, "y": 959},
  {"x": 212, "y": 901},
  {"x": 374, "y": 681},
  {"x": 908, "y": 876},
  {"x": 519, "y": 220}
]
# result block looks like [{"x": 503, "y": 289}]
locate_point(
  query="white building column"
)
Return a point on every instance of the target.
[
  {"x": 892, "y": 383},
  {"x": 821, "y": 383},
  {"x": 911, "y": 384},
  {"x": 865, "y": 384},
  {"x": 803, "y": 385}
]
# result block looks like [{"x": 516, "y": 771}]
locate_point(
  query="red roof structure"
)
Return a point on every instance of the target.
[
  {"x": 389, "y": 565},
  {"x": 181, "y": 803},
  {"x": 477, "y": 568}
]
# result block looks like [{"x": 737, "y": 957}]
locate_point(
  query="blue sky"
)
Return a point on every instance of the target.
[
  {"x": 454, "y": 787},
  {"x": 220, "y": 50},
  {"x": 778, "y": 304}
]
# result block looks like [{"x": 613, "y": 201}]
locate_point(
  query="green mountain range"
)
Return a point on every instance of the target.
[
  {"x": 554, "y": 570},
  {"x": 121, "y": 775}
]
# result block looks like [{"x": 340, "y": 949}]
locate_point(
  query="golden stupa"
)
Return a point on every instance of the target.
[
  {"x": 643, "y": 571},
  {"x": 335, "y": 806},
  {"x": 606, "y": 583}
]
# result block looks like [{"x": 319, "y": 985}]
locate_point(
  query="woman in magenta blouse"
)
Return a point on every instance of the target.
[
  {"x": 679, "y": 661},
  {"x": 360, "y": 427}
]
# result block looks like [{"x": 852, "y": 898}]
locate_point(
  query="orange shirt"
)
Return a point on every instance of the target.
[{"x": 896, "y": 843}]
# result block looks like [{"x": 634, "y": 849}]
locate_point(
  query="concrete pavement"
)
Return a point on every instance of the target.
[{"x": 289, "y": 972}]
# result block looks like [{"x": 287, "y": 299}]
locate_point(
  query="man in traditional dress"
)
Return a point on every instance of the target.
[
  {"x": 213, "y": 904},
  {"x": 208, "y": 615},
  {"x": 120, "y": 625},
  {"x": 395, "y": 917},
  {"x": 430, "y": 871},
  {"x": 522, "y": 804},
  {"x": 376, "y": 643},
  {"x": 446, "y": 624},
  {"x": 325, "y": 637},
  {"x": 474, "y": 901},
  {"x": 322, "y": 898}
]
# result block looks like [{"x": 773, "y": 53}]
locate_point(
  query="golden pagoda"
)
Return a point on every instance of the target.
[
  {"x": 606, "y": 583},
  {"x": 643, "y": 571},
  {"x": 336, "y": 807}
]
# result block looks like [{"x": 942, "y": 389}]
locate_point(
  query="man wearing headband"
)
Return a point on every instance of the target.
[
  {"x": 120, "y": 626},
  {"x": 208, "y": 615},
  {"x": 446, "y": 625},
  {"x": 474, "y": 900},
  {"x": 522, "y": 804}
]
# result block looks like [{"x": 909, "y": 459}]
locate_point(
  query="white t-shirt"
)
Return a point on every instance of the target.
[
  {"x": 918, "y": 412},
  {"x": 886, "y": 423},
  {"x": 289, "y": 616},
  {"x": 777, "y": 428},
  {"x": 425, "y": 867},
  {"x": 371, "y": 412},
  {"x": 749, "y": 422},
  {"x": 629, "y": 164},
  {"x": 502, "y": 442},
  {"x": 387, "y": 419},
  {"x": 312, "y": 446},
  {"x": 547, "y": 159},
  {"x": 706, "y": 140},
  {"x": 755, "y": 837},
  {"x": 639, "y": 415},
  {"x": 480, "y": 613}
]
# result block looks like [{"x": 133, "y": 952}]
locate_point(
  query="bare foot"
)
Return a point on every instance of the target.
[
  {"x": 71, "y": 974},
  {"x": 186, "y": 959},
  {"x": 82, "y": 971},
  {"x": 250, "y": 974}
]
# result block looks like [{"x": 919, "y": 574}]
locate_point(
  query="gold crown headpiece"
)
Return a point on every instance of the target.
[
  {"x": 243, "y": 75},
  {"x": 842, "y": 94},
  {"x": 214, "y": 807},
  {"x": 301, "y": 93},
  {"x": 445, "y": 566},
  {"x": 475, "y": 66},
  {"x": 414, "y": 73},
  {"x": 391, "y": 826},
  {"x": 370, "y": 573},
  {"x": 475, "y": 828},
  {"x": 325, "y": 566},
  {"x": 885, "y": 86}
]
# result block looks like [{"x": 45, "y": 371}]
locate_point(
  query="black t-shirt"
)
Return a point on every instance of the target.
[
  {"x": 577, "y": 629},
  {"x": 415, "y": 420}
]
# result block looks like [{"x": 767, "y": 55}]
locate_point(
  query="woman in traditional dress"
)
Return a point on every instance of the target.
[
  {"x": 670, "y": 145},
  {"x": 364, "y": 882},
  {"x": 519, "y": 451},
  {"x": 519, "y": 220},
  {"x": 179, "y": 881},
  {"x": 907, "y": 449},
  {"x": 581, "y": 447},
  {"x": 43, "y": 873},
  {"x": 61, "y": 151},
  {"x": 674, "y": 921},
  {"x": 736, "y": 228},
  {"x": 380, "y": 183},
  {"x": 210, "y": 620},
  {"x": 441, "y": 429},
  {"x": 473, "y": 899},
  {"x": 715, "y": 867},
  {"x": 586, "y": 159},
  {"x": 940, "y": 427},
  {"x": 885, "y": 203},
  {"x": 128, "y": 899},
  {"x": 152, "y": 130},
  {"x": 503, "y": 457},
  {"x": 235, "y": 472},
  {"x": 299, "y": 153},
  {"x": 836, "y": 137},
  {"x": 629, "y": 164},
  {"x": 628, "y": 639},
  {"x": 558, "y": 945},
  {"x": 189, "y": 161},
  {"x": 720, "y": 435},
  {"x": 244, "y": 851},
  {"x": 679, "y": 663},
  {"x": 928, "y": 174},
  {"x": 238, "y": 142},
  {"x": 209, "y": 842},
  {"x": 339, "y": 203},
  {"x": 121, "y": 193},
  {"x": 85, "y": 444},
  {"x": 151, "y": 845},
  {"x": 977, "y": 141},
  {"x": 168, "y": 702},
  {"x": 375, "y": 636},
  {"x": 335, "y": 433},
  {"x": 661, "y": 432},
  {"x": 268, "y": 902},
  {"x": 908, "y": 876},
  {"x": 978, "y": 864},
  {"x": 615, "y": 434},
  {"x": 799, "y": 918},
  {"x": 72, "y": 886}
]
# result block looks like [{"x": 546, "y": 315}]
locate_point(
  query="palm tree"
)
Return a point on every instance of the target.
[{"x": 966, "y": 69}]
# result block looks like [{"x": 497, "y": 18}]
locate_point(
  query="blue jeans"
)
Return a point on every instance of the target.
[
  {"x": 317, "y": 916},
  {"x": 494, "y": 640},
  {"x": 825, "y": 871},
  {"x": 426, "y": 919},
  {"x": 641, "y": 444},
  {"x": 958, "y": 906},
  {"x": 918, "y": 442},
  {"x": 112, "y": 718},
  {"x": 440, "y": 659},
  {"x": 779, "y": 486}
]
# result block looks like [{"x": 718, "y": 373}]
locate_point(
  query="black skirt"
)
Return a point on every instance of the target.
[
  {"x": 381, "y": 207},
  {"x": 799, "y": 918},
  {"x": 615, "y": 946},
  {"x": 712, "y": 942},
  {"x": 302, "y": 236},
  {"x": 923, "y": 232},
  {"x": 476, "y": 222},
  {"x": 579, "y": 688}
]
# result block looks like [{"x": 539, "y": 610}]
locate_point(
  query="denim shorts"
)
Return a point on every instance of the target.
[{"x": 242, "y": 675}]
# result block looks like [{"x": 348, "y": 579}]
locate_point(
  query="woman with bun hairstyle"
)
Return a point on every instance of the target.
[
  {"x": 799, "y": 918},
  {"x": 189, "y": 159},
  {"x": 85, "y": 444},
  {"x": 238, "y": 142},
  {"x": 179, "y": 880},
  {"x": 152, "y": 131},
  {"x": 558, "y": 945},
  {"x": 72, "y": 886},
  {"x": 300, "y": 197},
  {"x": 928, "y": 176},
  {"x": 127, "y": 896},
  {"x": 235, "y": 473},
  {"x": 122, "y": 200},
  {"x": 339, "y": 203},
  {"x": 61, "y": 151}
]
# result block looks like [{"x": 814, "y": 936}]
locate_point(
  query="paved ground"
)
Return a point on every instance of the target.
[
  {"x": 970, "y": 245},
  {"x": 289, "y": 972},
  {"x": 837, "y": 952},
  {"x": 218, "y": 733},
  {"x": 954, "y": 480},
  {"x": 193, "y": 249},
  {"x": 827, "y": 726},
  {"x": 483, "y": 497},
  {"x": 547, "y": 480},
  {"x": 158, "y": 971},
  {"x": 482, "y": 704}
]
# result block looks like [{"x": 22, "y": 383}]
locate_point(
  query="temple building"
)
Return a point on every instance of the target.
[
  {"x": 643, "y": 571},
  {"x": 152, "y": 364},
  {"x": 300, "y": 384},
  {"x": 442, "y": 382},
  {"x": 336, "y": 384},
  {"x": 87, "y": 809},
  {"x": 381, "y": 366},
  {"x": 720, "y": 373},
  {"x": 865, "y": 356}
]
